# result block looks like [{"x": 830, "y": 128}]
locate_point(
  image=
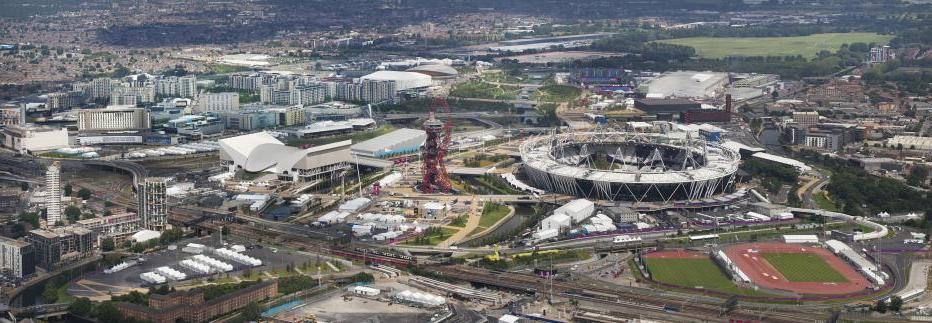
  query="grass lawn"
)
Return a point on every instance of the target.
[
  {"x": 824, "y": 203},
  {"x": 432, "y": 239},
  {"x": 224, "y": 68},
  {"x": 694, "y": 273},
  {"x": 804, "y": 267},
  {"x": 483, "y": 90},
  {"x": 807, "y": 46},
  {"x": 491, "y": 214},
  {"x": 557, "y": 93}
]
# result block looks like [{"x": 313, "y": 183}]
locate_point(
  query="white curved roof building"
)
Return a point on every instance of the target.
[
  {"x": 262, "y": 152},
  {"x": 403, "y": 80}
]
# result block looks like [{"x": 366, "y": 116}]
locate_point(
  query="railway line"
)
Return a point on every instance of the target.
[{"x": 624, "y": 298}]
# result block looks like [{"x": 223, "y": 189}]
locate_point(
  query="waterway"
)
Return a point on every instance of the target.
[
  {"x": 523, "y": 212},
  {"x": 32, "y": 295}
]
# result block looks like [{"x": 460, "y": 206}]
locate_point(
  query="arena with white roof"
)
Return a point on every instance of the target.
[
  {"x": 262, "y": 153},
  {"x": 625, "y": 166}
]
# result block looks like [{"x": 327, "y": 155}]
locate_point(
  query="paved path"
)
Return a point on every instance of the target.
[{"x": 475, "y": 214}]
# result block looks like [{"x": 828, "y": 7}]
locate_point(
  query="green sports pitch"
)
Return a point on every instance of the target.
[
  {"x": 694, "y": 273},
  {"x": 807, "y": 46},
  {"x": 804, "y": 267}
]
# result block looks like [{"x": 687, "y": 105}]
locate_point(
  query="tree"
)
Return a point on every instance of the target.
[
  {"x": 67, "y": 190},
  {"x": 31, "y": 217},
  {"x": 881, "y": 306},
  {"x": 84, "y": 193},
  {"x": 107, "y": 244},
  {"x": 106, "y": 312},
  {"x": 896, "y": 303},
  {"x": 81, "y": 307},
  {"x": 252, "y": 312},
  {"x": 73, "y": 213}
]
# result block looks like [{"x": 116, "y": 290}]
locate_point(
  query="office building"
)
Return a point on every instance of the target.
[
  {"x": 195, "y": 126},
  {"x": 17, "y": 258},
  {"x": 218, "y": 102},
  {"x": 152, "y": 203},
  {"x": 53, "y": 194},
  {"x": 60, "y": 246},
  {"x": 113, "y": 119}
]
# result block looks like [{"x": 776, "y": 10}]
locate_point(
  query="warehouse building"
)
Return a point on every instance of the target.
[
  {"x": 32, "y": 138},
  {"x": 398, "y": 142}
]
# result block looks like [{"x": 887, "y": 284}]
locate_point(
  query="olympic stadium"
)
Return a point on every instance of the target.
[{"x": 623, "y": 166}]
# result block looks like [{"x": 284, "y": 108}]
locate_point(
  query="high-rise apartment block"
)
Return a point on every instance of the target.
[
  {"x": 53, "y": 193},
  {"x": 153, "y": 205}
]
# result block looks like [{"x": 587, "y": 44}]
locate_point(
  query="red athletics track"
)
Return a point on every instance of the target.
[{"x": 765, "y": 275}]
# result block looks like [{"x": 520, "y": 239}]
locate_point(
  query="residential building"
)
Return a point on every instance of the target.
[
  {"x": 190, "y": 305},
  {"x": 53, "y": 194},
  {"x": 185, "y": 86},
  {"x": 64, "y": 100},
  {"x": 153, "y": 204},
  {"x": 17, "y": 258},
  {"x": 882, "y": 54},
  {"x": 806, "y": 118},
  {"x": 117, "y": 226},
  {"x": 60, "y": 246},
  {"x": 132, "y": 95},
  {"x": 12, "y": 114},
  {"x": 218, "y": 102},
  {"x": 100, "y": 88}
]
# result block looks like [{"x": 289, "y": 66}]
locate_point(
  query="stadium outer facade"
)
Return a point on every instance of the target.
[{"x": 624, "y": 166}]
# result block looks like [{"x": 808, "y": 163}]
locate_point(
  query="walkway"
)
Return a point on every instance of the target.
[{"x": 475, "y": 214}]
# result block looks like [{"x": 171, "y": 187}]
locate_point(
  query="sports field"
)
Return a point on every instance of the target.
[
  {"x": 807, "y": 46},
  {"x": 804, "y": 267},
  {"x": 694, "y": 273}
]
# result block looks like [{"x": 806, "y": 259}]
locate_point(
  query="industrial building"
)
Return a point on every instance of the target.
[
  {"x": 398, "y": 142},
  {"x": 261, "y": 152}
]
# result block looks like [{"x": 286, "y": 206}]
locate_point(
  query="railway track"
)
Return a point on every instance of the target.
[{"x": 621, "y": 298}]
